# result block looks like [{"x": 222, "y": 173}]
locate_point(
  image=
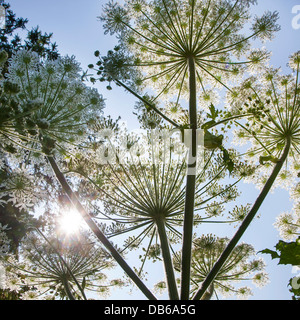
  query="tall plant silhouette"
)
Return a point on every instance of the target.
[
  {"x": 184, "y": 48},
  {"x": 186, "y": 53},
  {"x": 274, "y": 131},
  {"x": 145, "y": 196},
  {"x": 47, "y": 108}
]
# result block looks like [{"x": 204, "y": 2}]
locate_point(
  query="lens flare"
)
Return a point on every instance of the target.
[{"x": 70, "y": 222}]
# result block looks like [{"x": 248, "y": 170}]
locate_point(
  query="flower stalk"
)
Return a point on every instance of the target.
[
  {"x": 245, "y": 224},
  {"x": 167, "y": 259},
  {"x": 190, "y": 186},
  {"x": 150, "y": 105},
  {"x": 67, "y": 289},
  {"x": 112, "y": 250}
]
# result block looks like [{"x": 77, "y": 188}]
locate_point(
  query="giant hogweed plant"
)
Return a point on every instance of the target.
[
  {"x": 144, "y": 196},
  {"x": 56, "y": 266},
  {"x": 46, "y": 110},
  {"x": 184, "y": 50}
]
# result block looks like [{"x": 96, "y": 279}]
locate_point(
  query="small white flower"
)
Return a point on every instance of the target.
[
  {"x": 288, "y": 225},
  {"x": 21, "y": 189},
  {"x": 294, "y": 60},
  {"x": 12, "y": 282},
  {"x": 30, "y": 295},
  {"x": 244, "y": 293},
  {"x": 207, "y": 98},
  {"x": 69, "y": 66},
  {"x": 160, "y": 287},
  {"x": 260, "y": 279}
]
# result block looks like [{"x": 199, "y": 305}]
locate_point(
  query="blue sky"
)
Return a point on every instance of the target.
[{"x": 77, "y": 31}]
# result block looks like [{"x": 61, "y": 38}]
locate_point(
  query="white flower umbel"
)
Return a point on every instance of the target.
[
  {"x": 288, "y": 224},
  {"x": 162, "y": 35},
  {"x": 50, "y": 106},
  {"x": 272, "y": 104},
  {"x": 21, "y": 189},
  {"x": 242, "y": 265},
  {"x": 55, "y": 267}
]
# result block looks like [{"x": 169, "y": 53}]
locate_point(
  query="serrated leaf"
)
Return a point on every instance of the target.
[
  {"x": 290, "y": 252},
  {"x": 273, "y": 254},
  {"x": 286, "y": 252},
  {"x": 213, "y": 112}
]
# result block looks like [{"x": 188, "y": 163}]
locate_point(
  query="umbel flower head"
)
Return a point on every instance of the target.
[
  {"x": 56, "y": 266},
  {"x": 163, "y": 35},
  {"x": 241, "y": 265},
  {"x": 288, "y": 223},
  {"x": 139, "y": 193},
  {"x": 272, "y": 103},
  {"x": 44, "y": 103},
  {"x": 19, "y": 188}
]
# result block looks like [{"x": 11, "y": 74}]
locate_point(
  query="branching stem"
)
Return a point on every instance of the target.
[
  {"x": 167, "y": 259},
  {"x": 93, "y": 226},
  {"x": 245, "y": 224},
  {"x": 190, "y": 187}
]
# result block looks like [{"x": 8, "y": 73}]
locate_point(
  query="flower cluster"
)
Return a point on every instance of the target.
[
  {"x": 45, "y": 104},
  {"x": 209, "y": 32},
  {"x": 59, "y": 268},
  {"x": 271, "y": 102},
  {"x": 117, "y": 65},
  {"x": 288, "y": 223},
  {"x": 241, "y": 265},
  {"x": 21, "y": 189},
  {"x": 137, "y": 190}
]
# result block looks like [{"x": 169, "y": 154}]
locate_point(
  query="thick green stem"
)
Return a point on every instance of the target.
[
  {"x": 150, "y": 105},
  {"x": 114, "y": 253},
  {"x": 246, "y": 222},
  {"x": 190, "y": 188},
  {"x": 68, "y": 290},
  {"x": 209, "y": 292},
  {"x": 167, "y": 259}
]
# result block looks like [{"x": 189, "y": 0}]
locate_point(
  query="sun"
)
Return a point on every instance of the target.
[{"x": 70, "y": 222}]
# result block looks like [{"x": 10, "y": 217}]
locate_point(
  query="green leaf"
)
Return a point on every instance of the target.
[
  {"x": 227, "y": 160},
  {"x": 211, "y": 141},
  {"x": 287, "y": 252},
  {"x": 273, "y": 254},
  {"x": 290, "y": 252},
  {"x": 213, "y": 112},
  {"x": 295, "y": 287}
]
